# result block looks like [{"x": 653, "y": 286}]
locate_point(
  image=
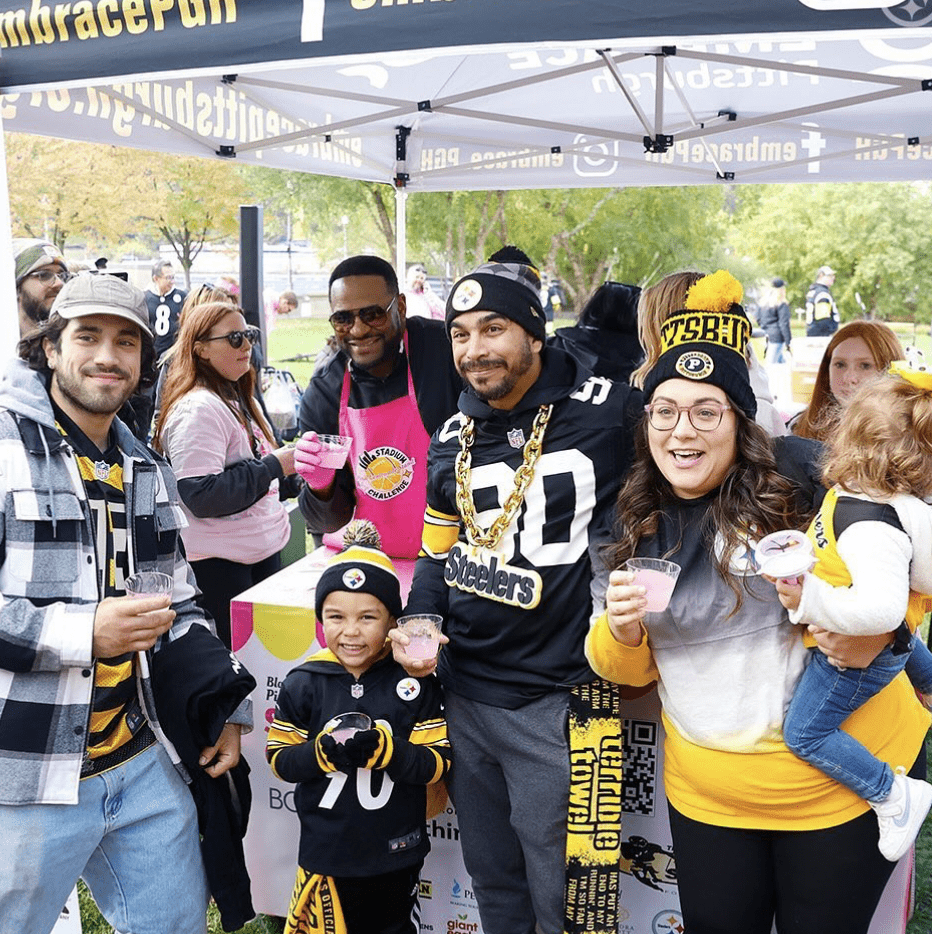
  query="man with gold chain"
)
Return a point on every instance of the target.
[{"x": 520, "y": 482}]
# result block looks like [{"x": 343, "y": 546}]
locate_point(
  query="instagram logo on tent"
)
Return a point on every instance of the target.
[
  {"x": 312, "y": 21},
  {"x": 596, "y": 159}
]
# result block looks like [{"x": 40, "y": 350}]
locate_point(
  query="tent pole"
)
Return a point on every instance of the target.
[
  {"x": 401, "y": 233},
  {"x": 9, "y": 319}
]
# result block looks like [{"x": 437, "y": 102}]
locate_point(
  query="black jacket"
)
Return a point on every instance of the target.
[{"x": 198, "y": 684}]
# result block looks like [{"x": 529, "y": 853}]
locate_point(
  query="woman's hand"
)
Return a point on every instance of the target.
[
  {"x": 307, "y": 456},
  {"x": 285, "y": 457},
  {"x": 625, "y": 604},
  {"x": 850, "y": 651}
]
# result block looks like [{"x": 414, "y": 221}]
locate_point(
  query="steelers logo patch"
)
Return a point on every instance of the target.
[
  {"x": 468, "y": 294},
  {"x": 384, "y": 472},
  {"x": 695, "y": 365},
  {"x": 354, "y": 578},
  {"x": 408, "y": 688}
]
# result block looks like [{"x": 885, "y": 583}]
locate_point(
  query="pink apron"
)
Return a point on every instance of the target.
[{"x": 388, "y": 455}]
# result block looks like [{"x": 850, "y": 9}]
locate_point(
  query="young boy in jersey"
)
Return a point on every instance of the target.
[{"x": 361, "y": 803}]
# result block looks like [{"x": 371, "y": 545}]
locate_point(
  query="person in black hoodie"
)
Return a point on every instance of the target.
[
  {"x": 605, "y": 337},
  {"x": 520, "y": 484}
]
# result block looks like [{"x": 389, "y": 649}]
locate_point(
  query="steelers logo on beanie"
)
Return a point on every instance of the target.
[
  {"x": 362, "y": 567},
  {"x": 705, "y": 342}
]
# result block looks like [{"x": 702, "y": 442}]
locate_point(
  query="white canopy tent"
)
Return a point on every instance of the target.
[{"x": 431, "y": 95}]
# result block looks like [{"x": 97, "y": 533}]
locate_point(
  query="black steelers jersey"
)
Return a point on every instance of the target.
[
  {"x": 517, "y": 619},
  {"x": 367, "y": 822}
]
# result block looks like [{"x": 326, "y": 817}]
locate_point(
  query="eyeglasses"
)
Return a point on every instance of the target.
[
  {"x": 236, "y": 338},
  {"x": 703, "y": 416},
  {"x": 373, "y": 315},
  {"x": 47, "y": 276}
]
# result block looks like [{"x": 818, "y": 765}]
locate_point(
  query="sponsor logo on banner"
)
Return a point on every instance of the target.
[
  {"x": 462, "y": 897},
  {"x": 384, "y": 472}
]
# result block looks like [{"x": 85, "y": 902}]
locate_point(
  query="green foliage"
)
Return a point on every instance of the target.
[{"x": 868, "y": 233}]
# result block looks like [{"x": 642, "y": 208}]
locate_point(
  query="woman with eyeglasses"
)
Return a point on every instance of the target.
[
  {"x": 231, "y": 474},
  {"x": 758, "y": 835}
]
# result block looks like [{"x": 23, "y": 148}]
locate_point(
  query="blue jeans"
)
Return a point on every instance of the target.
[
  {"x": 824, "y": 699},
  {"x": 132, "y": 837}
]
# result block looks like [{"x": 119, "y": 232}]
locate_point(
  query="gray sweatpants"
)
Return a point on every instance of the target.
[{"x": 510, "y": 786}]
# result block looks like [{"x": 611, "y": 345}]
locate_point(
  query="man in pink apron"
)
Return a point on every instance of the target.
[{"x": 392, "y": 384}]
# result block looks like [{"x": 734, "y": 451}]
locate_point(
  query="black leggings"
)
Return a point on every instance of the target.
[
  {"x": 734, "y": 881},
  {"x": 382, "y": 904},
  {"x": 220, "y": 581}
]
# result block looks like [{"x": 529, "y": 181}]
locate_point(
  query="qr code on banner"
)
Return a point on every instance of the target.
[{"x": 639, "y": 773}]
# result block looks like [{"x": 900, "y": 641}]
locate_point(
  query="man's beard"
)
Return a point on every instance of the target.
[
  {"x": 509, "y": 379},
  {"x": 34, "y": 309},
  {"x": 80, "y": 396}
]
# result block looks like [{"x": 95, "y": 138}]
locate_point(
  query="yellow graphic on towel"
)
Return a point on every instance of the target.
[
  {"x": 593, "y": 839},
  {"x": 315, "y": 906}
]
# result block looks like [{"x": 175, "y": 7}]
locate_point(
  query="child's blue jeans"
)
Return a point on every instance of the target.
[{"x": 826, "y": 696}]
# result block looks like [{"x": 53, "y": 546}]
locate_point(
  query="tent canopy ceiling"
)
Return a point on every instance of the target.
[{"x": 686, "y": 93}]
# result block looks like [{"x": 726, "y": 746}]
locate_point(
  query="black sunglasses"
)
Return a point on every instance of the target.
[
  {"x": 236, "y": 338},
  {"x": 374, "y": 315}
]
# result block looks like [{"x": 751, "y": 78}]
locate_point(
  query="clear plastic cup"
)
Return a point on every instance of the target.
[
  {"x": 658, "y": 576},
  {"x": 345, "y": 725},
  {"x": 786, "y": 555},
  {"x": 149, "y": 584},
  {"x": 423, "y": 632},
  {"x": 334, "y": 450}
]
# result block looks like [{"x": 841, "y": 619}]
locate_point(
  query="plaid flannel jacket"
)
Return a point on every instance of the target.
[{"x": 49, "y": 588}]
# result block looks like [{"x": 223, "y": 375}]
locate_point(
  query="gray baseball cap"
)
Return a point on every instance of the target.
[{"x": 102, "y": 295}]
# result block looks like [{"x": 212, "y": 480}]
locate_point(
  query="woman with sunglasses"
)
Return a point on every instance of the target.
[
  {"x": 759, "y": 835},
  {"x": 231, "y": 475}
]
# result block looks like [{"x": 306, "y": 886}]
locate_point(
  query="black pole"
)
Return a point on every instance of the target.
[{"x": 250, "y": 267}]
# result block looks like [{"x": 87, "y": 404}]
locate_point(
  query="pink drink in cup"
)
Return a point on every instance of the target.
[
  {"x": 658, "y": 576},
  {"x": 423, "y": 632},
  {"x": 334, "y": 449},
  {"x": 149, "y": 584},
  {"x": 347, "y": 725}
]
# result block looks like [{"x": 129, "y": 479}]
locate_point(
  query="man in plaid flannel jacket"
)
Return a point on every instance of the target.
[{"x": 89, "y": 785}]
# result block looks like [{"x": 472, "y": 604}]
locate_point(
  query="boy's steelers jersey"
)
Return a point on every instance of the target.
[{"x": 517, "y": 614}]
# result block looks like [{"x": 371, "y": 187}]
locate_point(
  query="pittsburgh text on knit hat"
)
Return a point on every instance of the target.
[{"x": 724, "y": 330}]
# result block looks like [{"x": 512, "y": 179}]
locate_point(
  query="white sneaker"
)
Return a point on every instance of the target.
[{"x": 901, "y": 814}]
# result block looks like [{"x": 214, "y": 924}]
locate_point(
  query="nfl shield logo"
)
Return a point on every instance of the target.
[{"x": 516, "y": 438}]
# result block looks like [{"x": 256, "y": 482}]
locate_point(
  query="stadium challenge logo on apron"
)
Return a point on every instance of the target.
[{"x": 384, "y": 472}]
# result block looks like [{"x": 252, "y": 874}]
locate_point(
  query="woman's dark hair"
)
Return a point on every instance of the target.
[
  {"x": 753, "y": 498},
  {"x": 613, "y": 306},
  {"x": 31, "y": 349}
]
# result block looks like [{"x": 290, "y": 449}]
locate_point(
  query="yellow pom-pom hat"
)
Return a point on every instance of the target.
[
  {"x": 705, "y": 341},
  {"x": 362, "y": 567}
]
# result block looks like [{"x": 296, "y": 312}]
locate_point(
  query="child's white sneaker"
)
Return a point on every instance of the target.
[{"x": 901, "y": 814}]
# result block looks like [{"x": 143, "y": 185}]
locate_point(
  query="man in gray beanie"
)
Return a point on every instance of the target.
[
  {"x": 520, "y": 484},
  {"x": 40, "y": 271}
]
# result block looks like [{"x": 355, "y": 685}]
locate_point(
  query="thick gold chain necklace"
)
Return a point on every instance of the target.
[{"x": 523, "y": 477}]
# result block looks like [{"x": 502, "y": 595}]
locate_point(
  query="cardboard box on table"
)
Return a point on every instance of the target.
[{"x": 274, "y": 630}]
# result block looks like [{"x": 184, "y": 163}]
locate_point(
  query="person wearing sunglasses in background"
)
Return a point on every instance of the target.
[
  {"x": 231, "y": 474},
  {"x": 40, "y": 271},
  {"x": 391, "y": 384}
]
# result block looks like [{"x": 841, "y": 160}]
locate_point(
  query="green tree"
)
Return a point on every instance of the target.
[
  {"x": 62, "y": 191},
  {"x": 869, "y": 233},
  {"x": 190, "y": 201}
]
